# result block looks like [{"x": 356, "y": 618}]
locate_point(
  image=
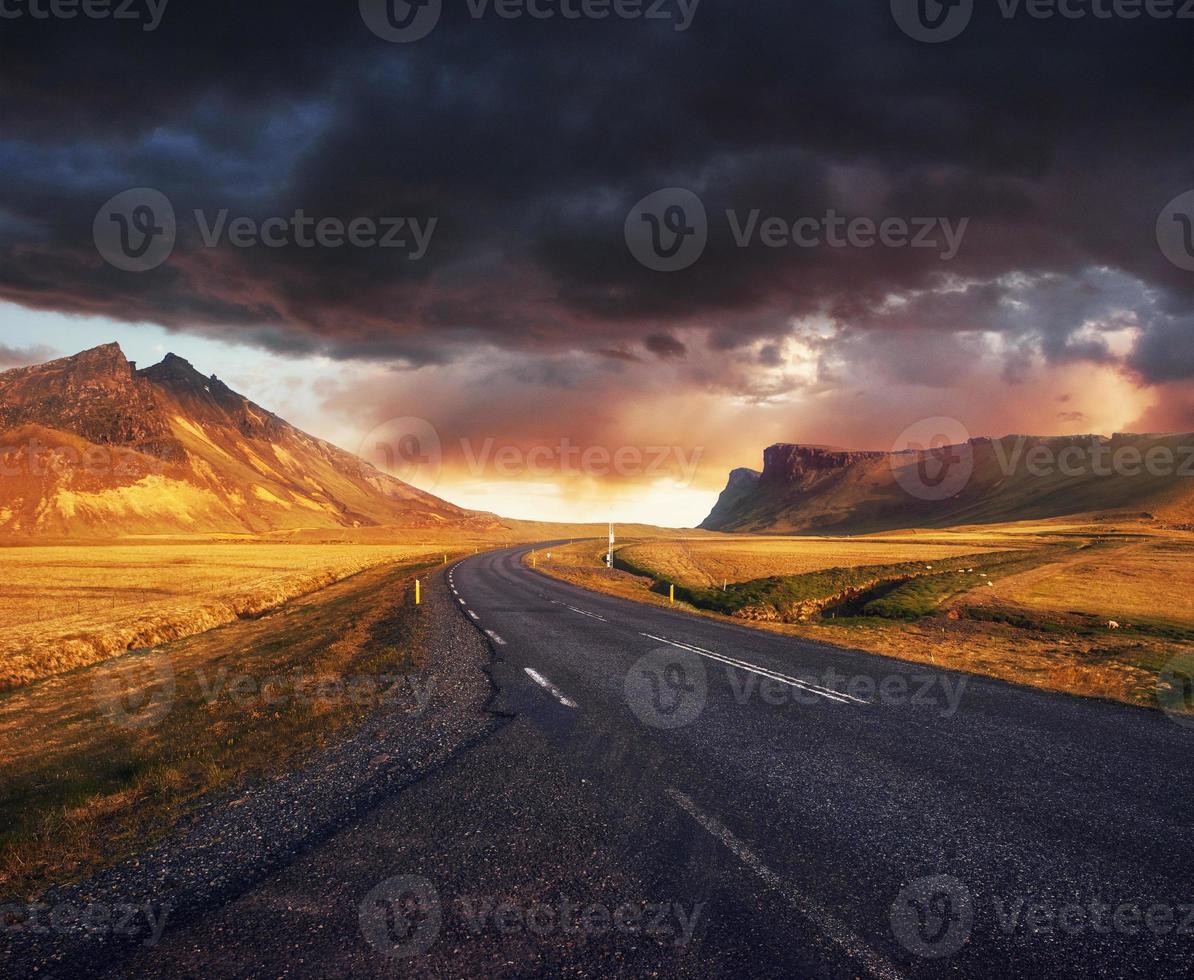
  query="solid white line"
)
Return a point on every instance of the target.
[
  {"x": 496, "y": 639},
  {"x": 796, "y": 682},
  {"x": 836, "y": 931},
  {"x": 548, "y": 686}
]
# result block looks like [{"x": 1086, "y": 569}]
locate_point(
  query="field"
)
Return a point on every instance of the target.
[
  {"x": 67, "y": 607},
  {"x": 705, "y": 562},
  {"x": 96, "y": 761},
  {"x": 1147, "y": 582},
  {"x": 1031, "y": 603}
]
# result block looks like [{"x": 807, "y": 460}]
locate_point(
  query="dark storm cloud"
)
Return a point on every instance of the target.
[{"x": 529, "y": 141}]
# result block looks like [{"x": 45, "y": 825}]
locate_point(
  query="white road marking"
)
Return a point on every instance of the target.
[
  {"x": 473, "y": 614},
  {"x": 461, "y": 601},
  {"x": 836, "y": 931},
  {"x": 581, "y": 611},
  {"x": 496, "y": 639},
  {"x": 548, "y": 686},
  {"x": 824, "y": 692}
]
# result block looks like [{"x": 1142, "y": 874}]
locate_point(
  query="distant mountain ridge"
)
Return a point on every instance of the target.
[
  {"x": 94, "y": 447},
  {"x": 809, "y": 488}
]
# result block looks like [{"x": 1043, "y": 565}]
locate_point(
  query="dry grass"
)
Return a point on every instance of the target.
[
  {"x": 704, "y": 563},
  {"x": 1147, "y": 572},
  {"x": 67, "y": 607},
  {"x": 94, "y": 762},
  {"x": 1151, "y": 581}
]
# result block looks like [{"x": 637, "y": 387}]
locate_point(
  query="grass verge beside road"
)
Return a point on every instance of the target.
[
  {"x": 96, "y": 762},
  {"x": 961, "y": 613}
]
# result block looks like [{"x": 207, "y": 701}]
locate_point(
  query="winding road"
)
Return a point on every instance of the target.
[{"x": 640, "y": 792}]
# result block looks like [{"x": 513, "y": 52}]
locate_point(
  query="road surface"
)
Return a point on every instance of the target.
[{"x": 651, "y": 793}]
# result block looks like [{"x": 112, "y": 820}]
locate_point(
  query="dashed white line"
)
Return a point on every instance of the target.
[
  {"x": 473, "y": 614},
  {"x": 836, "y": 931},
  {"x": 581, "y": 611},
  {"x": 461, "y": 601},
  {"x": 548, "y": 686},
  {"x": 824, "y": 692},
  {"x": 496, "y": 639}
]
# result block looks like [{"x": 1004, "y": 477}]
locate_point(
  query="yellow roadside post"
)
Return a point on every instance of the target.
[
  {"x": 672, "y": 594},
  {"x": 418, "y": 592},
  {"x": 534, "y": 560}
]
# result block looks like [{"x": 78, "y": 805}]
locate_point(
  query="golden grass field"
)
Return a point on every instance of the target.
[
  {"x": 66, "y": 607},
  {"x": 705, "y": 562},
  {"x": 96, "y": 761},
  {"x": 1152, "y": 581},
  {"x": 1046, "y": 626}
]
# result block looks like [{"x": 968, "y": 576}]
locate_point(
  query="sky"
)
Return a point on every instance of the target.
[{"x": 623, "y": 255}]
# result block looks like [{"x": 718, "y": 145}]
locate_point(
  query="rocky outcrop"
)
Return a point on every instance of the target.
[
  {"x": 93, "y": 447},
  {"x": 814, "y": 489},
  {"x": 741, "y": 485},
  {"x": 95, "y": 395}
]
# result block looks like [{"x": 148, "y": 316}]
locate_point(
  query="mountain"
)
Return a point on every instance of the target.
[
  {"x": 92, "y": 447},
  {"x": 811, "y": 488}
]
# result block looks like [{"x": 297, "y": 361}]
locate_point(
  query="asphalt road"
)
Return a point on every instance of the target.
[
  {"x": 804, "y": 792},
  {"x": 647, "y": 793}
]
